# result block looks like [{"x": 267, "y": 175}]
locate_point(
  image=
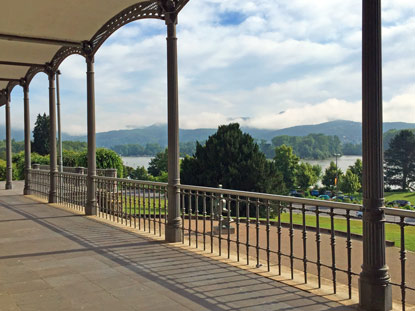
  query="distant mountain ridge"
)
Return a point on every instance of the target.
[{"x": 347, "y": 131}]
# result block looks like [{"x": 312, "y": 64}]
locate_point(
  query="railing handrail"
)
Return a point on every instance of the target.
[
  {"x": 135, "y": 181},
  {"x": 275, "y": 197}
]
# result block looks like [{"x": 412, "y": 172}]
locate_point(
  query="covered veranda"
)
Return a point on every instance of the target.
[{"x": 37, "y": 37}]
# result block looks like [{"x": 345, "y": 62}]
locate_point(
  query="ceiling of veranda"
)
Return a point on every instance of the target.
[{"x": 72, "y": 21}]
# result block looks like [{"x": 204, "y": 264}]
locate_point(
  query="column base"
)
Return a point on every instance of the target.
[
  {"x": 91, "y": 208},
  {"x": 26, "y": 191},
  {"x": 374, "y": 297},
  {"x": 52, "y": 198},
  {"x": 9, "y": 186},
  {"x": 173, "y": 233}
]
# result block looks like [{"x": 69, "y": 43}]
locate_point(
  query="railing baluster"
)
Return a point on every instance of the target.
[
  {"x": 183, "y": 213},
  {"x": 237, "y": 228},
  {"x": 247, "y": 231},
  {"x": 257, "y": 232},
  {"x": 268, "y": 231},
  {"x": 204, "y": 220},
  {"x": 196, "y": 217},
  {"x": 279, "y": 237},
  {"x": 333, "y": 249},
  {"x": 349, "y": 255},
  {"x": 318, "y": 241},
  {"x": 402, "y": 225},
  {"x": 190, "y": 216},
  {"x": 149, "y": 208},
  {"x": 229, "y": 228},
  {"x": 291, "y": 234},
  {"x": 154, "y": 209},
  {"x": 211, "y": 221},
  {"x": 159, "y": 206},
  {"x": 303, "y": 210}
]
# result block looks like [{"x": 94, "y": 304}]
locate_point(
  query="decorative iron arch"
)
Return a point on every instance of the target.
[{"x": 152, "y": 9}]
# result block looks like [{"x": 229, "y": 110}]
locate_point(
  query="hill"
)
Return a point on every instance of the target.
[{"x": 347, "y": 131}]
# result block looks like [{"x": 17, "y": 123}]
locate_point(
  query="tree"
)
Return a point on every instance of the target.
[
  {"x": 349, "y": 183},
  {"x": 159, "y": 163},
  {"x": 105, "y": 158},
  {"x": 231, "y": 158},
  {"x": 41, "y": 135},
  {"x": 330, "y": 174},
  {"x": 357, "y": 169},
  {"x": 306, "y": 176},
  {"x": 400, "y": 161},
  {"x": 286, "y": 163}
]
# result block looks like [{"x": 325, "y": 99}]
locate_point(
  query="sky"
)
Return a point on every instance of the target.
[{"x": 265, "y": 64}]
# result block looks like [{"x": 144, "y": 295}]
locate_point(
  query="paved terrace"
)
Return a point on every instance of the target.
[{"x": 53, "y": 259}]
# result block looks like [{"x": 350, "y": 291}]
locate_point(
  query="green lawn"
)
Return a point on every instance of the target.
[
  {"x": 392, "y": 231},
  {"x": 409, "y": 196}
]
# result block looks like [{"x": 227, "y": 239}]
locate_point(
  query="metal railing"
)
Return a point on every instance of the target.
[
  {"x": 313, "y": 237},
  {"x": 319, "y": 240},
  {"x": 72, "y": 190},
  {"x": 111, "y": 172},
  {"x": 139, "y": 204},
  {"x": 40, "y": 183}
]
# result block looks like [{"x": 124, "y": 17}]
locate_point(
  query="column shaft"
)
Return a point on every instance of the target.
[
  {"x": 374, "y": 288},
  {"x": 9, "y": 170},
  {"x": 27, "y": 147},
  {"x": 174, "y": 221},
  {"x": 52, "y": 139},
  {"x": 91, "y": 206}
]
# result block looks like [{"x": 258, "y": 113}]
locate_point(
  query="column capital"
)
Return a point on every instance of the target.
[
  {"x": 169, "y": 8},
  {"x": 49, "y": 71}
]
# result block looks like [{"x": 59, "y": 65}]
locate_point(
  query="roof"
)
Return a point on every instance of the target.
[{"x": 38, "y": 34}]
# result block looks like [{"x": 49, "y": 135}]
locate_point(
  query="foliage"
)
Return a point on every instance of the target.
[
  {"x": 357, "y": 169},
  {"x": 106, "y": 158},
  {"x": 286, "y": 163},
  {"x": 330, "y": 174},
  {"x": 158, "y": 164},
  {"x": 74, "y": 145},
  {"x": 231, "y": 158},
  {"x": 41, "y": 135},
  {"x": 389, "y": 135},
  {"x": 400, "y": 161},
  {"x": 17, "y": 146},
  {"x": 352, "y": 149},
  {"x": 349, "y": 183},
  {"x": 312, "y": 146},
  {"x": 306, "y": 175},
  {"x": 70, "y": 158},
  {"x": 140, "y": 173},
  {"x": 19, "y": 162}
]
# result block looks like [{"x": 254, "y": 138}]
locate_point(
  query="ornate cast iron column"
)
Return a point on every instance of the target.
[
  {"x": 91, "y": 205},
  {"x": 27, "y": 147},
  {"x": 52, "y": 137},
  {"x": 173, "y": 233},
  {"x": 9, "y": 172},
  {"x": 374, "y": 289}
]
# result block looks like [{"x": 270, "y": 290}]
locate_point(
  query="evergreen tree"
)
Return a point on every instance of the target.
[
  {"x": 159, "y": 163},
  {"x": 41, "y": 135},
  {"x": 233, "y": 159},
  {"x": 400, "y": 161},
  {"x": 330, "y": 175}
]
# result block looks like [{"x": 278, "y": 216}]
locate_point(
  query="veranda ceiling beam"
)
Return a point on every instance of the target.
[
  {"x": 40, "y": 40},
  {"x": 20, "y": 64}
]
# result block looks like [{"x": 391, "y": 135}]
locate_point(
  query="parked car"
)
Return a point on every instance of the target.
[
  {"x": 315, "y": 193},
  {"x": 324, "y": 197},
  {"x": 359, "y": 214},
  {"x": 328, "y": 193},
  {"x": 400, "y": 203}
]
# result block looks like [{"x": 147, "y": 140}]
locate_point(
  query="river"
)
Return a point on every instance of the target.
[{"x": 343, "y": 162}]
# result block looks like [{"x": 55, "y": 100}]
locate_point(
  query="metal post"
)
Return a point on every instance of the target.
[
  {"x": 58, "y": 106},
  {"x": 27, "y": 147},
  {"x": 173, "y": 233},
  {"x": 91, "y": 205},
  {"x": 9, "y": 171},
  {"x": 52, "y": 138},
  {"x": 375, "y": 292}
]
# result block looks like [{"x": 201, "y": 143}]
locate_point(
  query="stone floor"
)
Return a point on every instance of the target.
[{"x": 53, "y": 259}]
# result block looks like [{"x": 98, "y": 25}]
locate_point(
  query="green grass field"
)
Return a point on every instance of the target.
[{"x": 408, "y": 196}]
